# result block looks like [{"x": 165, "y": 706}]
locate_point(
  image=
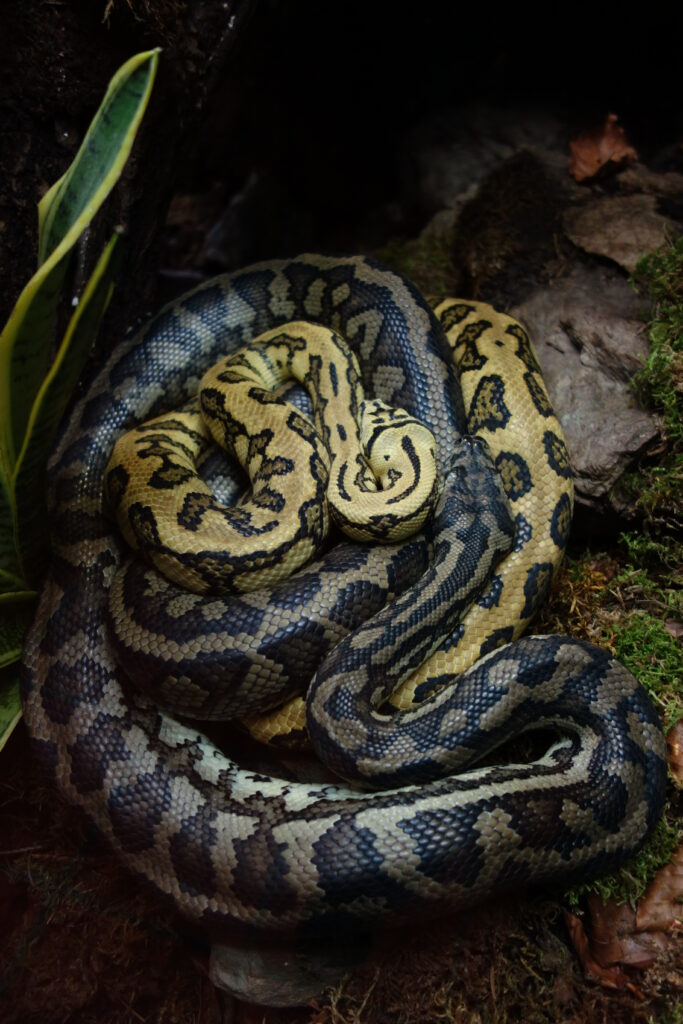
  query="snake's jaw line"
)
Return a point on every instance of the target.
[{"x": 114, "y": 641}]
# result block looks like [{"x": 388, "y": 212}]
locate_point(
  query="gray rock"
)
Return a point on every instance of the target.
[
  {"x": 623, "y": 228},
  {"x": 454, "y": 151},
  {"x": 590, "y": 339},
  {"x": 285, "y": 974},
  {"x": 638, "y": 178}
]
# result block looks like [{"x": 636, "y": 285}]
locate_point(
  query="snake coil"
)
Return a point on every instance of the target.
[{"x": 233, "y": 846}]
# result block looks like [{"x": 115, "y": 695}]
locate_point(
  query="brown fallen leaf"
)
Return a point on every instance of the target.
[
  {"x": 608, "y": 977},
  {"x": 614, "y": 938},
  {"x": 661, "y": 908},
  {"x": 675, "y": 628},
  {"x": 674, "y": 752},
  {"x": 595, "y": 150}
]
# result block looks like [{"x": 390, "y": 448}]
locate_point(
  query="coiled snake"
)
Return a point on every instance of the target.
[{"x": 234, "y": 846}]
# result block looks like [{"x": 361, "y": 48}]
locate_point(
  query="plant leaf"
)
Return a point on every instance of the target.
[
  {"x": 600, "y": 149},
  {"x": 25, "y": 353},
  {"x": 16, "y": 614},
  {"x": 9, "y": 560},
  {"x": 63, "y": 214},
  {"x": 10, "y": 583},
  {"x": 10, "y": 703},
  {"x": 74, "y": 199},
  {"x": 29, "y": 502}
]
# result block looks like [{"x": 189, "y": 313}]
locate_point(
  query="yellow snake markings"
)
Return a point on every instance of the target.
[
  {"x": 114, "y": 639},
  {"x": 378, "y": 480},
  {"x": 496, "y": 362}
]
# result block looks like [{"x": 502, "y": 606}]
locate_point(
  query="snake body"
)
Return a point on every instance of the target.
[
  {"x": 377, "y": 480},
  {"x": 233, "y": 846}
]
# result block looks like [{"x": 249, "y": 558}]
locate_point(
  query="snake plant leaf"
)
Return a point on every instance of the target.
[
  {"x": 75, "y": 198},
  {"x": 10, "y": 703},
  {"x": 27, "y": 485},
  {"x": 16, "y": 613},
  {"x": 25, "y": 353},
  {"x": 10, "y": 583},
  {"x": 9, "y": 559},
  {"x": 63, "y": 214}
]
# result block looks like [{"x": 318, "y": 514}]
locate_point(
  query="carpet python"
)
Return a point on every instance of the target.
[
  {"x": 368, "y": 467},
  {"x": 232, "y": 845}
]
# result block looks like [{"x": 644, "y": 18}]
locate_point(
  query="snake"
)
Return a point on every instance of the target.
[
  {"x": 234, "y": 846},
  {"x": 376, "y": 481}
]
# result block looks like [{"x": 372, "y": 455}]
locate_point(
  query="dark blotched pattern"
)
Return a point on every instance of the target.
[{"x": 229, "y": 846}]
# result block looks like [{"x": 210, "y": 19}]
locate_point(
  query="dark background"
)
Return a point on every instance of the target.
[{"x": 321, "y": 103}]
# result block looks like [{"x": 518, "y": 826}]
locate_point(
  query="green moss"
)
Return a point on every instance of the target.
[
  {"x": 658, "y": 488},
  {"x": 661, "y": 553},
  {"x": 673, "y": 1015},
  {"x": 657, "y": 574},
  {"x": 655, "y": 657},
  {"x": 660, "y": 381},
  {"x": 629, "y": 883},
  {"x": 427, "y": 261}
]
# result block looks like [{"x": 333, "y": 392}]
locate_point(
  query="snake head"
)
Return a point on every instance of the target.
[{"x": 472, "y": 475}]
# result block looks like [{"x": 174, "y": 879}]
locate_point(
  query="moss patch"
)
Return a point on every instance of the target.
[
  {"x": 660, "y": 381},
  {"x": 655, "y": 657},
  {"x": 427, "y": 261},
  {"x": 658, "y": 486}
]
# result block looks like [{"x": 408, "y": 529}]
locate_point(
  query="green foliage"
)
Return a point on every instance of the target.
[
  {"x": 655, "y": 657},
  {"x": 30, "y": 540},
  {"x": 10, "y": 705},
  {"x": 658, "y": 487},
  {"x": 33, "y": 393},
  {"x": 656, "y": 567},
  {"x": 427, "y": 261}
]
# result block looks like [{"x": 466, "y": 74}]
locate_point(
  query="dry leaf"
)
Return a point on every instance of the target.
[
  {"x": 614, "y": 938},
  {"x": 675, "y": 628},
  {"x": 661, "y": 908},
  {"x": 617, "y": 936},
  {"x": 608, "y": 977},
  {"x": 674, "y": 752},
  {"x": 592, "y": 151}
]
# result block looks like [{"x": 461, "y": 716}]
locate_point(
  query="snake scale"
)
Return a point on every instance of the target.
[{"x": 233, "y": 846}]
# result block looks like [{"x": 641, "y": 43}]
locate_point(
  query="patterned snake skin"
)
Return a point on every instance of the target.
[{"x": 233, "y": 846}]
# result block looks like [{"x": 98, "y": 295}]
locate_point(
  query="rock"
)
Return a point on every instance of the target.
[
  {"x": 453, "y": 151},
  {"x": 261, "y": 221},
  {"x": 638, "y": 178},
  {"x": 623, "y": 228},
  {"x": 441, "y": 225},
  {"x": 283, "y": 974},
  {"x": 506, "y": 237},
  {"x": 589, "y": 338}
]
